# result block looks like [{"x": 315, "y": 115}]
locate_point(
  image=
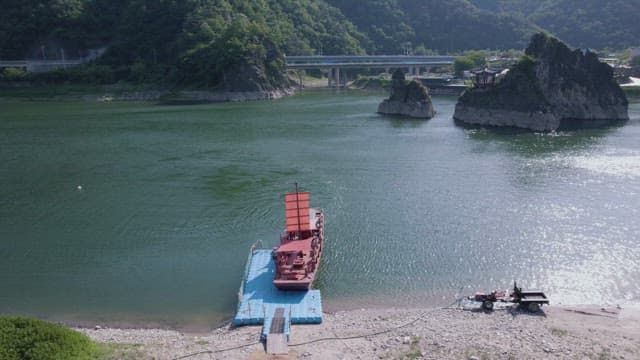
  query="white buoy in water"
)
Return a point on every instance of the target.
[{"x": 79, "y": 187}]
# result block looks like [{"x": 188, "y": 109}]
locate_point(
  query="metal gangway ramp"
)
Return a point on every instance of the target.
[{"x": 276, "y": 338}]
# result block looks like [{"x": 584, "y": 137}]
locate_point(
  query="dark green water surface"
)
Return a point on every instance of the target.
[{"x": 140, "y": 214}]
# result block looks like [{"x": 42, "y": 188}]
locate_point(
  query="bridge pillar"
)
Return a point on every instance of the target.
[
  {"x": 300, "y": 78},
  {"x": 333, "y": 77}
]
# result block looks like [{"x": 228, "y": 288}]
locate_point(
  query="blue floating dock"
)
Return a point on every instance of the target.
[{"x": 259, "y": 298}]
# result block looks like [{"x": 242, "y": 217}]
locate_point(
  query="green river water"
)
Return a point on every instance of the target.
[{"x": 142, "y": 214}]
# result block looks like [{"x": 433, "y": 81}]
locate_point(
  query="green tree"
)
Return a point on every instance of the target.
[
  {"x": 462, "y": 64},
  {"x": 472, "y": 59},
  {"x": 478, "y": 57},
  {"x": 27, "y": 24}
]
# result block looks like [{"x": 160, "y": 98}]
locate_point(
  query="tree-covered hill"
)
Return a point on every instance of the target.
[
  {"x": 454, "y": 25},
  {"x": 201, "y": 43},
  {"x": 240, "y": 44},
  {"x": 140, "y": 26},
  {"x": 581, "y": 23},
  {"x": 441, "y": 25}
]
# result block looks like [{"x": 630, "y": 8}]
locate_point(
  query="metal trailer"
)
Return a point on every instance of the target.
[{"x": 530, "y": 300}]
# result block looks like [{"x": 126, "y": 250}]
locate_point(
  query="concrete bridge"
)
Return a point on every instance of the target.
[
  {"x": 43, "y": 65},
  {"x": 40, "y": 65},
  {"x": 334, "y": 64}
]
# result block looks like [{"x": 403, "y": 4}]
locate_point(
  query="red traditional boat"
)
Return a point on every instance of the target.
[{"x": 298, "y": 256}]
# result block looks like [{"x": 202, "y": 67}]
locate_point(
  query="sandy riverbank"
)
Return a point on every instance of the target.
[{"x": 556, "y": 333}]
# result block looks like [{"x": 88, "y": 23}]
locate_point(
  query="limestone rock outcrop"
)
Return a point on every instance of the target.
[
  {"x": 408, "y": 99},
  {"x": 551, "y": 88},
  {"x": 260, "y": 73}
]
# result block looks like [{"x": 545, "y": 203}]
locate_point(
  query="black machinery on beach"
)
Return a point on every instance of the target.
[{"x": 530, "y": 300}]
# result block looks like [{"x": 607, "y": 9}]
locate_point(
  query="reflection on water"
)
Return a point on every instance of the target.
[
  {"x": 172, "y": 198},
  {"x": 540, "y": 144},
  {"x": 620, "y": 165},
  {"x": 586, "y": 182}
]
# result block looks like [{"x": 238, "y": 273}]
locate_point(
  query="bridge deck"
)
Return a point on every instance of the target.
[
  {"x": 372, "y": 61},
  {"x": 40, "y": 65}
]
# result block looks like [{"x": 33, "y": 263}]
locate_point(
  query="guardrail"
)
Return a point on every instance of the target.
[
  {"x": 300, "y": 62},
  {"x": 40, "y": 65}
]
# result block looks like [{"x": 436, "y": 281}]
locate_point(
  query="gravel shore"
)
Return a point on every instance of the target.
[{"x": 451, "y": 333}]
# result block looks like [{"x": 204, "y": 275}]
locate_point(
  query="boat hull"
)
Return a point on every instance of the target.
[{"x": 293, "y": 285}]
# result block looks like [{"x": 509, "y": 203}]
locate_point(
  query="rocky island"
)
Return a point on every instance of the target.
[
  {"x": 410, "y": 99},
  {"x": 551, "y": 88}
]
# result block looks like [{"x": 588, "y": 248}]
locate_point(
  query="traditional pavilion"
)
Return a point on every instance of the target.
[{"x": 484, "y": 78}]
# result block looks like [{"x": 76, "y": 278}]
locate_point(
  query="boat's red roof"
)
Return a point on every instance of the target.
[{"x": 297, "y": 211}]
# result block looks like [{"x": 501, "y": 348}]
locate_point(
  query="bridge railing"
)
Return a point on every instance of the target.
[{"x": 348, "y": 59}]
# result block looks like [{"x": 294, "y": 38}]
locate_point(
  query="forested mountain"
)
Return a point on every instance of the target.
[
  {"x": 139, "y": 26},
  {"x": 581, "y": 23},
  {"x": 207, "y": 43},
  {"x": 441, "y": 25},
  {"x": 198, "y": 42}
]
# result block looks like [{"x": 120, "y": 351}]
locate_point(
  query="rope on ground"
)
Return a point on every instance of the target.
[
  {"x": 421, "y": 317},
  {"x": 377, "y": 332},
  {"x": 216, "y": 351}
]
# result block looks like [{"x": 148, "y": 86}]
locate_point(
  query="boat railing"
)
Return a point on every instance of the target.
[
  {"x": 257, "y": 245},
  {"x": 246, "y": 270}
]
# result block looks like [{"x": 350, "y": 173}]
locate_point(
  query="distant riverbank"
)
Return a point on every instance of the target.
[
  {"x": 123, "y": 92},
  {"x": 127, "y": 92}
]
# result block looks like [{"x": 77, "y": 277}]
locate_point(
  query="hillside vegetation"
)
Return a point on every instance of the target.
[
  {"x": 445, "y": 26},
  {"x": 239, "y": 45},
  {"x": 199, "y": 43},
  {"x": 592, "y": 24}
]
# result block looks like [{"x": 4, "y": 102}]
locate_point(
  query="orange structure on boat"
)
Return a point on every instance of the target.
[{"x": 298, "y": 256}]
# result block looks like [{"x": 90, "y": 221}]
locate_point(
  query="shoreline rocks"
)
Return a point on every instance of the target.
[
  {"x": 191, "y": 96},
  {"x": 551, "y": 88},
  {"x": 194, "y": 97},
  {"x": 171, "y": 98},
  {"x": 410, "y": 99},
  {"x": 422, "y": 332}
]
